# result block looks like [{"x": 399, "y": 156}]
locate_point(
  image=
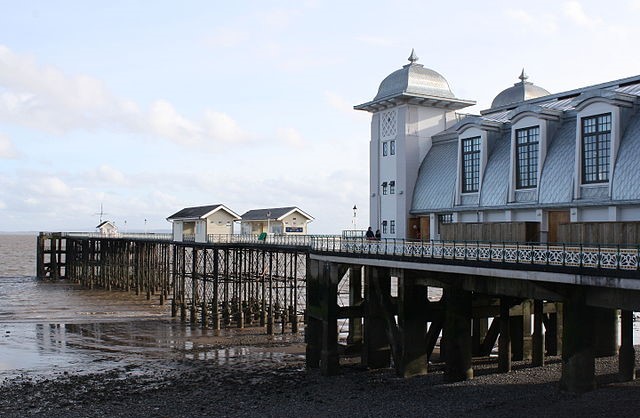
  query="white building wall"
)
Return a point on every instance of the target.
[
  {"x": 177, "y": 230},
  {"x": 415, "y": 126}
]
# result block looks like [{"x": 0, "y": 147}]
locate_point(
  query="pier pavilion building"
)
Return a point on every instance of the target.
[
  {"x": 289, "y": 220},
  {"x": 535, "y": 167},
  {"x": 196, "y": 223}
]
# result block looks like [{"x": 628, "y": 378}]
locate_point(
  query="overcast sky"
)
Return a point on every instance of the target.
[{"x": 149, "y": 107}]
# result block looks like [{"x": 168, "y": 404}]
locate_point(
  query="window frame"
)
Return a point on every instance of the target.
[
  {"x": 392, "y": 147},
  {"x": 530, "y": 149},
  {"x": 600, "y": 141},
  {"x": 385, "y": 148},
  {"x": 384, "y": 227},
  {"x": 392, "y": 187},
  {"x": 470, "y": 151},
  {"x": 384, "y": 188},
  {"x": 392, "y": 226}
]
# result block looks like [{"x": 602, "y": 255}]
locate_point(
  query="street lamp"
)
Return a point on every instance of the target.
[
  {"x": 268, "y": 221},
  {"x": 355, "y": 210}
]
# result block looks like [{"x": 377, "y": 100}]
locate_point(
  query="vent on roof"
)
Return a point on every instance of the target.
[
  {"x": 629, "y": 83},
  {"x": 568, "y": 96}
]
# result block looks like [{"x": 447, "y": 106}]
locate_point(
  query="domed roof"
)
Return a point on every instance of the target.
[
  {"x": 521, "y": 91},
  {"x": 414, "y": 79}
]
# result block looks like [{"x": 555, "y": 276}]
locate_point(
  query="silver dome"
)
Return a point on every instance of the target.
[
  {"x": 414, "y": 79},
  {"x": 521, "y": 91}
]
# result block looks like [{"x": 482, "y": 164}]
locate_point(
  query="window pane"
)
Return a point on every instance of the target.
[
  {"x": 596, "y": 145},
  {"x": 470, "y": 164},
  {"x": 527, "y": 141}
]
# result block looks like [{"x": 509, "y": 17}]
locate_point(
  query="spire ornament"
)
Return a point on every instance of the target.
[
  {"x": 523, "y": 77},
  {"x": 413, "y": 57}
]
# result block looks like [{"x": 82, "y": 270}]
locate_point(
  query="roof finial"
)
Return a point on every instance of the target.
[
  {"x": 413, "y": 57},
  {"x": 523, "y": 77}
]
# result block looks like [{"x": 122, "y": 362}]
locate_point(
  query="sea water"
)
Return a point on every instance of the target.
[{"x": 53, "y": 327}]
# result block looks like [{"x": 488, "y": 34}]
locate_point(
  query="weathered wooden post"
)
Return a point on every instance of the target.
[
  {"x": 578, "y": 359},
  {"x": 627, "y": 353},
  {"x": 412, "y": 323},
  {"x": 537, "y": 339},
  {"x": 457, "y": 335},
  {"x": 376, "y": 350}
]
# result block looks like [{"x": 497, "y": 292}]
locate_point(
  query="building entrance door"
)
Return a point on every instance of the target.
[{"x": 556, "y": 218}]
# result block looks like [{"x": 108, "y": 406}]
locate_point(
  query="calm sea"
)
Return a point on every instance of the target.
[{"x": 47, "y": 328}]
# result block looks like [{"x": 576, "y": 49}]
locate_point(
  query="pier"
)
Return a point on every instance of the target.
[{"x": 529, "y": 300}]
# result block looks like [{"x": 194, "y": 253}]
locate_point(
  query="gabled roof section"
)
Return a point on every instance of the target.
[
  {"x": 436, "y": 183},
  {"x": 105, "y": 223},
  {"x": 201, "y": 212},
  {"x": 273, "y": 213}
]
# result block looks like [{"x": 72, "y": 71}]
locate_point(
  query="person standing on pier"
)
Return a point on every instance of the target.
[{"x": 369, "y": 234}]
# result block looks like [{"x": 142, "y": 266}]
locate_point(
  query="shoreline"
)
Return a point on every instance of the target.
[{"x": 277, "y": 383}]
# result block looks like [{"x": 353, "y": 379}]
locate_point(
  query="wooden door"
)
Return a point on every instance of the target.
[
  {"x": 414, "y": 228},
  {"x": 425, "y": 228},
  {"x": 556, "y": 218}
]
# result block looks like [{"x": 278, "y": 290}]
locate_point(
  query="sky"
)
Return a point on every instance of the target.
[{"x": 144, "y": 108}]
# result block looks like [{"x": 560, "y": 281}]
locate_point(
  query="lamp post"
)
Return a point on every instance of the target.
[
  {"x": 355, "y": 210},
  {"x": 268, "y": 221}
]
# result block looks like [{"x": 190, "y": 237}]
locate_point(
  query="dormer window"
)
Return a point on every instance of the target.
[
  {"x": 527, "y": 141},
  {"x": 470, "y": 164},
  {"x": 596, "y": 148}
]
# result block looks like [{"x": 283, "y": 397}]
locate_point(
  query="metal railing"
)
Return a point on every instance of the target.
[
  {"x": 575, "y": 255},
  {"x": 610, "y": 257}
]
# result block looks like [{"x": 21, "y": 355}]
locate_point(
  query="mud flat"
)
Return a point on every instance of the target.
[{"x": 253, "y": 375}]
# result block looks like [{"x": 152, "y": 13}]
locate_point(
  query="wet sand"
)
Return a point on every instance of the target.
[{"x": 268, "y": 378}]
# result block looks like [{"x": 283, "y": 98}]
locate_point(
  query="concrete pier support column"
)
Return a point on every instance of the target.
[
  {"x": 354, "y": 339},
  {"x": 578, "y": 360},
  {"x": 605, "y": 341},
  {"x": 412, "y": 322},
  {"x": 313, "y": 320},
  {"x": 457, "y": 335},
  {"x": 537, "y": 339},
  {"x": 329, "y": 360},
  {"x": 627, "y": 354},
  {"x": 504, "y": 340},
  {"x": 480, "y": 328},
  {"x": 527, "y": 332},
  {"x": 376, "y": 352}
]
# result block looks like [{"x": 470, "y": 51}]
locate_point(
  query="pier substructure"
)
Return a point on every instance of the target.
[
  {"x": 413, "y": 305},
  {"x": 627, "y": 353},
  {"x": 322, "y": 315},
  {"x": 457, "y": 335},
  {"x": 376, "y": 352},
  {"x": 578, "y": 354}
]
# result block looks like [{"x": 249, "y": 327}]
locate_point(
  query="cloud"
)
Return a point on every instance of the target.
[
  {"x": 46, "y": 99},
  {"x": 107, "y": 174},
  {"x": 543, "y": 23},
  {"x": 222, "y": 128},
  {"x": 339, "y": 103},
  {"x": 574, "y": 11},
  {"x": 291, "y": 137},
  {"x": 50, "y": 187},
  {"x": 7, "y": 150}
]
